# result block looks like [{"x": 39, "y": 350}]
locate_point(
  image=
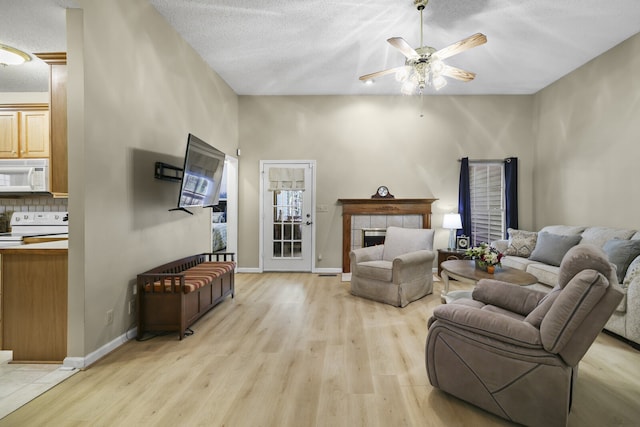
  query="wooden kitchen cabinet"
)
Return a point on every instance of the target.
[
  {"x": 9, "y": 137},
  {"x": 34, "y": 302},
  {"x": 24, "y": 134},
  {"x": 58, "y": 108}
]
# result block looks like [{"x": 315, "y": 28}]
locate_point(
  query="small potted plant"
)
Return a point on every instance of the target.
[{"x": 487, "y": 258}]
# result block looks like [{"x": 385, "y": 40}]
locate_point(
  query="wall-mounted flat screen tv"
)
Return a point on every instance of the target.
[{"x": 202, "y": 175}]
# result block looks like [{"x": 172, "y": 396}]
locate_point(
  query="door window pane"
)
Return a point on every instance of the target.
[{"x": 287, "y": 214}]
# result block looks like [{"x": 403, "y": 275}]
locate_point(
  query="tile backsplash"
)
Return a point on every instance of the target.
[{"x": 36, "y": 204}]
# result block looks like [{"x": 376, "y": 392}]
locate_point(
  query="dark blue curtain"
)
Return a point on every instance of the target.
[
  {"x": 464, "y": 198},
  {"x": 511, "y": 192}
]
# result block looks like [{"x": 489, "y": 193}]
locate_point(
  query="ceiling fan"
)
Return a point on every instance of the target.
[{"x": 424, "y": 65}]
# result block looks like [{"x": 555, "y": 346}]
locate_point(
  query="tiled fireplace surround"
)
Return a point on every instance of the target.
[
  {"x": 379, "y": 213},
  {"x": 358, "y": 222}
]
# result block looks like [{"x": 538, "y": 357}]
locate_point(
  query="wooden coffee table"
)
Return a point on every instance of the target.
[{"x": 466, "y": 272}]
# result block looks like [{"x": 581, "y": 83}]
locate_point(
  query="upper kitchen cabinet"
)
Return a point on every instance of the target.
[
  {"x": 9, "y": 139},
  {"x": 24, "y": 131},
  {"x": 58, "y": 128}
]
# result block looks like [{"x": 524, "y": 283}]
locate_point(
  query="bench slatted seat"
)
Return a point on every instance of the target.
[{"x": 173, "y": 296}]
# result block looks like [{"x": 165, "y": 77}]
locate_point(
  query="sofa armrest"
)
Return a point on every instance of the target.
[
  {"x": 632, "y": 310},
  {"x": 633, "y": 272},
  {"x": 369, "y": 253},
  {"x": 490, "y": 324},
  {"x": 416, "y": 257},
  {"x": 511, "y": 297},
  {"x": 413, "y": 265}
]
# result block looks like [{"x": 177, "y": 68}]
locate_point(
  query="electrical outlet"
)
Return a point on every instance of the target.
[
  {"x": 109, "y": 317},
  {"x": 132, "y": 306},
  {"x": 135, "y": 289}
]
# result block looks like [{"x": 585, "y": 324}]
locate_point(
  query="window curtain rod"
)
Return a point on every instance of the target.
[{"x": 508, "y": 159}]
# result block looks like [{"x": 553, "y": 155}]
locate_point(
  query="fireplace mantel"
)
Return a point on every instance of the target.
[{"x": 379, "y": 207}]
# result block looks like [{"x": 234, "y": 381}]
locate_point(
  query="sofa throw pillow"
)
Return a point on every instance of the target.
[
  {"x": 551, "y": 248},
  {"x": 621, "y": 253},
  {"x": 521, "y": 242}
]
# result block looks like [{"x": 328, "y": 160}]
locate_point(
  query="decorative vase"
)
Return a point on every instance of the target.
[
  {"x": 481, "y": 265},
  {"x": 491, "y": 269}
]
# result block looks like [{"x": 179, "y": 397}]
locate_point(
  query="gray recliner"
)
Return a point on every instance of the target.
[
  {"x": 397, "y": 272},
  {"x": 514, "y": 351}
]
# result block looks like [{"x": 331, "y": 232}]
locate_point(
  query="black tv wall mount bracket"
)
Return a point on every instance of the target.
[{"x": 167, "y": 172}]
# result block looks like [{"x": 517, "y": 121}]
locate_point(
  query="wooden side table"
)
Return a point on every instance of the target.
[{"x": 448, "y": 255}]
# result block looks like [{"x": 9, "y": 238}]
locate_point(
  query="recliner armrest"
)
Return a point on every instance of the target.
[
  {"x": 511, "y": 297},
  {"x": 489, "y": 324}
]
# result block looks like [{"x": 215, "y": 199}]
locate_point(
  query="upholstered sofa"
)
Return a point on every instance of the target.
[{"x": 539, "y": 253}]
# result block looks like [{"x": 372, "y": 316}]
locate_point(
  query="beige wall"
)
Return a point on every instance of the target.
[
  {"x": 362, "y": 142},
  {"x": 136, "y": 90},
  {"x": 588, "y": 143}
]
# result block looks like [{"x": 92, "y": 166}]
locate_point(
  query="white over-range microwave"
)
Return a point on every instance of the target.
[{"x": 24, "y": 175}]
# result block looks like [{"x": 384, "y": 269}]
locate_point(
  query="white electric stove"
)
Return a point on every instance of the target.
[{"x": 35, "y": 224}]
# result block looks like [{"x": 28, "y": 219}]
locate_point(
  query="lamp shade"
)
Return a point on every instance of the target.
[{"x": 452, "y": 221}]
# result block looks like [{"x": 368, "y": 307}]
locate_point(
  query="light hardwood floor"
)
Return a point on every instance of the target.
[{"x": 299, "y": 350}]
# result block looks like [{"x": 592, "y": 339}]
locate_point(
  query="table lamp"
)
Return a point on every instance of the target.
[{"x": 453, "y": 222}]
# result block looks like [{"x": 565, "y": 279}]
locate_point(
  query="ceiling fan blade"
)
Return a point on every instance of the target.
[
  {"x": 459, "y": 47},
  {"x": 404, "y": 47},
  {"x": 457, "y": 73},
  {"x": 381, "y": 73}
]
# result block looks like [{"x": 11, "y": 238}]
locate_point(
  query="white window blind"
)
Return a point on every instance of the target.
[{"x": 486, "y": 183}]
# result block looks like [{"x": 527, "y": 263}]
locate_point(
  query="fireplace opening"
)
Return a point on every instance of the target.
[{"x": 373, "y": 236}]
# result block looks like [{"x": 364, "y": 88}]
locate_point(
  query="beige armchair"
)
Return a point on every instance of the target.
[
  {"x": 514, "y": 351},
  {"x": 397, "y": 272}
]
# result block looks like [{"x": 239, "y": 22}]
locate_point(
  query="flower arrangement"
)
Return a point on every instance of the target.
[{"x": 485, "y": 255}]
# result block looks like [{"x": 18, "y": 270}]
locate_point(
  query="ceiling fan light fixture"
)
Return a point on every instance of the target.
[
  {"x": 425, "y": 65},
  {"x": 402, "y": 74},
  {"x": 436, "y": 66},
  {"x": 12, "y": 56},
  {"x": 408, "y": 87},
  {"x": 438, "y": 82},
  {"x": 368, "y": 82}
]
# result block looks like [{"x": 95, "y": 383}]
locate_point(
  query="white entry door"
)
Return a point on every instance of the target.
[{"x": 287, "y": 225}]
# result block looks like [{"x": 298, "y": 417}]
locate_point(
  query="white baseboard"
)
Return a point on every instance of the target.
[
  {"x": 315, "y": 270},
  {"x": 83, "y": 362},
  {"x": 327, "y": 270},
  {"x": 346, "y": 277},
  {"x": 248, "y": 270}
]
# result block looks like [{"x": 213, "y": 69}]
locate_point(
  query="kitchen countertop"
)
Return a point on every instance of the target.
[{"x": 57, "y": 246}]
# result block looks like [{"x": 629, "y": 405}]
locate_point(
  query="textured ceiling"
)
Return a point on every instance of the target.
[
  {"x": 321, "y": 47},
  {"x": 33, "y": 26}
]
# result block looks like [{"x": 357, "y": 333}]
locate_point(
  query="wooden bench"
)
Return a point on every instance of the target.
[{"x": 173, "y": 296}]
